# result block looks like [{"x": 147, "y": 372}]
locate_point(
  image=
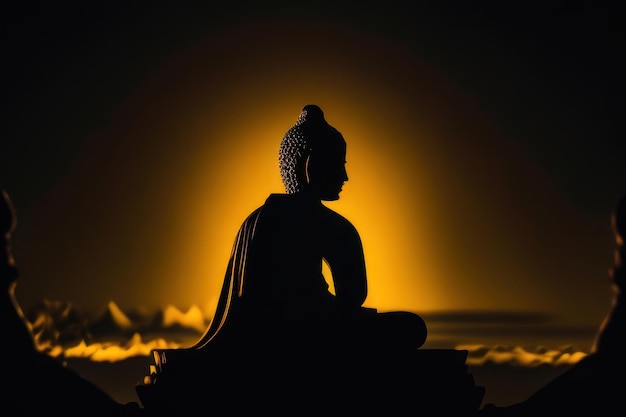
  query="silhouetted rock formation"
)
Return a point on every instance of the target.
[
  {"x": 57, "y": 323},
  {"x": 111, "y": 321},
  {"x": 596, "y": 385},
  {"x": 38, "y": 384},
  {"x": 610, "y": 339}
]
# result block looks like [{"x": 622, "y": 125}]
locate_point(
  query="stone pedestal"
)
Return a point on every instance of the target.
[{"x": 420, "y": 382}]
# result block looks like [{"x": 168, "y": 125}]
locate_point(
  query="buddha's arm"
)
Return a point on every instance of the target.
[{"x": 347, "y": 264}]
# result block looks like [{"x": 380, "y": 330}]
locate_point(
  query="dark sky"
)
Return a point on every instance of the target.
[{"x": 518, "y": 111}]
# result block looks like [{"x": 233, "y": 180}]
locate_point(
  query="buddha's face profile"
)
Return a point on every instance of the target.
[{"x": 326, "y": 171}]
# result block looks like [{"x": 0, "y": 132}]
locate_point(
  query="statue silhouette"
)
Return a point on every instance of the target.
[
  {"x": 276, "y": 290},
  {"x": 38, "y": 384},
  {"x": 276, "y": 315}
]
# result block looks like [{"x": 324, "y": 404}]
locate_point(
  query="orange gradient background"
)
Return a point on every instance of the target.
[{"x": 454, "y": 211}]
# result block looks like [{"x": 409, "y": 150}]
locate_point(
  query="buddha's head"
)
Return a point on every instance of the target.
[{"x": 312, "y": 156}]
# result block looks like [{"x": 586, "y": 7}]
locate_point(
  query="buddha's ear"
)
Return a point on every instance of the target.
[{"x": 307, "y": 176}]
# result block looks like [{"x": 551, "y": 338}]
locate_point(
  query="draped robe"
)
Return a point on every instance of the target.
[{"x": 274, "y": 287}]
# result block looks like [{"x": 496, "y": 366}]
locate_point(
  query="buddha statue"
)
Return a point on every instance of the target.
[{"x": 280, "y": 334}]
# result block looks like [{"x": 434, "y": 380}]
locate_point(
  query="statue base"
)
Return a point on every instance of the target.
[{"x": 421, "y": 382}]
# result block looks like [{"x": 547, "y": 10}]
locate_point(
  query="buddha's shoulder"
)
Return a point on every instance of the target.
[{"x": 334, "y": 218}]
